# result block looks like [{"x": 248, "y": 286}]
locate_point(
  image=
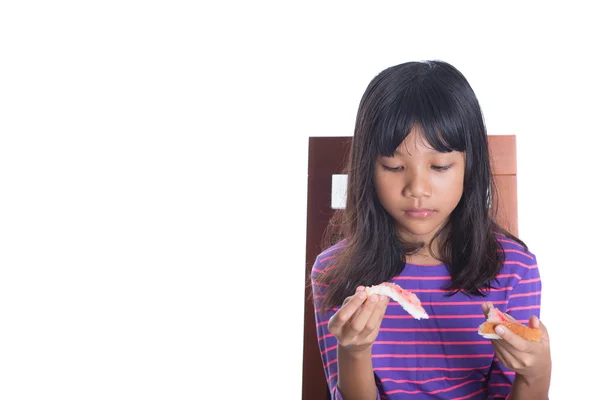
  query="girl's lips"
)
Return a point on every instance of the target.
[{"x": 419, "y": 213}]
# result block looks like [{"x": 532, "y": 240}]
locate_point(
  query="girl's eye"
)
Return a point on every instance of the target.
[
  {"x": 394, "y": 169},
  {"x": 441, "y": 167}
]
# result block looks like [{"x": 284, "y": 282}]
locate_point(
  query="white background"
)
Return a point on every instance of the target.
[{"x": 153, "y": 163}]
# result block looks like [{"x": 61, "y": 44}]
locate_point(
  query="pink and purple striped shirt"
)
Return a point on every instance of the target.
[{"x": 442, "y": 357}]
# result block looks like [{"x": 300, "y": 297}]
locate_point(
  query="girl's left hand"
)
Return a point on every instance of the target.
[{"x": 527, "y": 358}]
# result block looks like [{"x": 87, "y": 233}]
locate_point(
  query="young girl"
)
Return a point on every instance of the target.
[{"x": 418, "y": 214}]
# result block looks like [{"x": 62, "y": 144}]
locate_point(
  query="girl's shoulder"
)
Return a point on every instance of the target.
[
  {"x": 516, "y": 256},
  {"x": 327, "y": 256}
]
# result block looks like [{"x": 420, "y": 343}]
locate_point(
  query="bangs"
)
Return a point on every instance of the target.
[{"x": 428, "y": 107}]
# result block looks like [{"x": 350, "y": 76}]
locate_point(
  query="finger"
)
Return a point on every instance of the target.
[
  {"x": 507, "y": 355},
  {"x": 357, "y": 324},
  {"x": 486, "y": 307},
  {"x": 505, "y": 358},
  {"x": 381, "y": 308},
  {"x": 345, "y": 313},
  {"x": 512, "y": 342},
  {"x": 534, "y": 322},
  {"x": 359, "y": 290},
  {"x": 499, "y": 354},
  {"x": 374, "y": 321}
]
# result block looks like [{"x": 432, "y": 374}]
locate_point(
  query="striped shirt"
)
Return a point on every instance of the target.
[{"x": 442, "y": 357}]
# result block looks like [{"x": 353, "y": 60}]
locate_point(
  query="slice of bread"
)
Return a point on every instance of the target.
[
  {"x": 497, "y": 317},
  {"x": 408, "y": 300},
  {"x": 487, "y": 330}
]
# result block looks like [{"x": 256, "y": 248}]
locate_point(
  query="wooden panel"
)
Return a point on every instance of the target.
[
  {"x": 503, "y": 154},
  {"x": 327, "y": 156},
  {"x": 506, "y": 186}
]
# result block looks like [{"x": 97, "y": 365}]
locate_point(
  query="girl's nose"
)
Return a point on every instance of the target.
[{"x": 417, "y": 185}]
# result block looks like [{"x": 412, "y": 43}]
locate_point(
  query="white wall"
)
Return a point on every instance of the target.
[{"x": 148, "y": 233}]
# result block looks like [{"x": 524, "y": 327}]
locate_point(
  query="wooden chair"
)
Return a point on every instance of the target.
[{"x": 327, "y": 157}]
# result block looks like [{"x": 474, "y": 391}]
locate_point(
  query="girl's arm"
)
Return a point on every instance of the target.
[
  {"x": 346, "y": 342},
  {"x": 522, "y": 367},
  {"x": 356, "y": 378},
  {"x": 530, "y": 360},
  {"x": 526, "y": 389}
]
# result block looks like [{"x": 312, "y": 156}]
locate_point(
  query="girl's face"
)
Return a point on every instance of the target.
[{"x": 419, "y": 187}]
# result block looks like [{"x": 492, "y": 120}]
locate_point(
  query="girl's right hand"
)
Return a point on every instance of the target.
[{"x": 356, "y": 324}]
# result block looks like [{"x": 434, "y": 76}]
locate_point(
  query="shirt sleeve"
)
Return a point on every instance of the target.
[
  {"x": 326, "y": 341},
  {"x": 523, "y": 302}
]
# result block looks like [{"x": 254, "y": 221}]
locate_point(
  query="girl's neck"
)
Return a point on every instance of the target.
[
  {"x": 422, "y": 259},
  {"x": 425, "y": 255}
]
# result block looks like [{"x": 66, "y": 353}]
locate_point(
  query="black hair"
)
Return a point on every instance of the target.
[{"x": 436, "y": 98}]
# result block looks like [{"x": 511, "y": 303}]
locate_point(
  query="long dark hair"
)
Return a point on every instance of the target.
[{"x": 436, "y": 98}]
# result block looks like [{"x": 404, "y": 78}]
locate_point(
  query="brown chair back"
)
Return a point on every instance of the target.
[{"x": 326, "y": 157}]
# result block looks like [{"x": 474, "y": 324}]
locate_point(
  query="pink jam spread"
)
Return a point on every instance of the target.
[
  {"x": 496, "y": 315},
  {"x": 405, "y": 294}
]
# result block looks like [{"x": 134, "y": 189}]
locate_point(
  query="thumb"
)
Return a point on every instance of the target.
[{"x": 509, "y": 336}]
